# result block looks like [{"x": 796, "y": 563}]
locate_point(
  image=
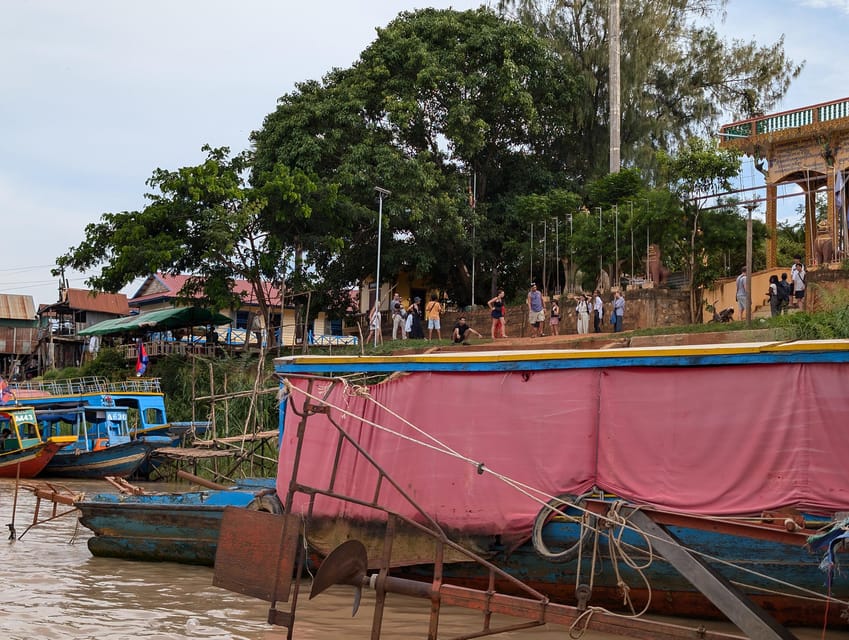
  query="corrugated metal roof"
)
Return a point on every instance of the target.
[
  {"x": 16, "y": 307},
  {"x": 113, "y": 303}
]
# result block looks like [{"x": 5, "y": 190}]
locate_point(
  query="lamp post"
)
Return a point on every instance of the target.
[{"x": 381, "y": 194}]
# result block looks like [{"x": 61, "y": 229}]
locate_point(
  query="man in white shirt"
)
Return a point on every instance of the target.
[
  {"x": 797, "y": 277},
  {"x": 598, "y": 309}
]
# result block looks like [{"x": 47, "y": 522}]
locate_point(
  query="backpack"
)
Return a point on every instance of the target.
[{"x": 784, "y": 290}]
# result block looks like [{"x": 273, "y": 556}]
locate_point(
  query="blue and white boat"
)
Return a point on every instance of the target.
[{"x": 102, "y": 446}]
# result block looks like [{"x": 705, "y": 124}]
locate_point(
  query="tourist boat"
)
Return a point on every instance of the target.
[
  {"x": 100, "y": 445},
  {"x": 23, "y": 452},
  {"x": 142, "y": 396},
  {"x": 637, "y": 478},
  {"x": 168, "y": 527}
]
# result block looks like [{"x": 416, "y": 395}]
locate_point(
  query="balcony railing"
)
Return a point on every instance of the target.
[{"x": 824, "y": 112}]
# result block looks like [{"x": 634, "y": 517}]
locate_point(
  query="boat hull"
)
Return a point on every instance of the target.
[
  {"x": 28, "y": 462},
  {"x": 178, "y": 527},
  {"x": 121, "y": 460}
]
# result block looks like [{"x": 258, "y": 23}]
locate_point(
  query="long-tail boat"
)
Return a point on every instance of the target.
[{"x": 680, "y": 480}]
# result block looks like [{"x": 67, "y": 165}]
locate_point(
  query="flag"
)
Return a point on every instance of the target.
[
  {"x": 141, "y": 359},
  {"x": 6, "y": 395},
  {"x": 839, "y": 184}
]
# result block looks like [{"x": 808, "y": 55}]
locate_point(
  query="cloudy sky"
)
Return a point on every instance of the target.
[{"x": 96, "y": 94}]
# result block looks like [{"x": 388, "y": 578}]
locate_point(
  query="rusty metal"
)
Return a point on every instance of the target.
[{"x": 757, "y": 530}]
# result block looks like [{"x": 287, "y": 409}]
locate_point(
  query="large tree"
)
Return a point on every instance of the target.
[
  {"x": 206, "y": 221},
  {"x": 440, "y": 101},
  {"x": 679, "y": 78}
]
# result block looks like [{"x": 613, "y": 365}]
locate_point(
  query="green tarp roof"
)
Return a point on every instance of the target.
[{"x": 161, "y": 320}]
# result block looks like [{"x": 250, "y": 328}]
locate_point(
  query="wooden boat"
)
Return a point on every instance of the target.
[
  {"x": 168, "y": 527},
  {"x": 23, "y": 452},
  {"x": 101, "y": 443},
  {"x": 578, "y": 479}
]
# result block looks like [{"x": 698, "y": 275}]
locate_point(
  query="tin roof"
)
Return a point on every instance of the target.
[
  {"x": 112, "y": 303},
  {"x": 16, "y": 307}
]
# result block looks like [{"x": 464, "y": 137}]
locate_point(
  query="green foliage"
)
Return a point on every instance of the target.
[
  {"x": 440, "y": 100},
  {"x": 110, "y": 364},
  {"x": 677, "y": 76}
]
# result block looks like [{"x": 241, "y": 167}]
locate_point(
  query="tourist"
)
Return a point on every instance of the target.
[
  {"x": 462, "y": 331},
  {"x": 496, "y": 311},
  {"x": 399, "y": 315},
  {"x": 618, "y": 311},
  {"x": 774, "y": 296},
  {"x": 598, "y": 311},
  {"x": 432, "y": 311},
  {"x": 536, "y": 311},
  {"x": 798, "y": 277},
  {"x": 374, "y": 325},
  {"x": 555, "y": 318},
  {"x": 582, "y": 310},
  {"x": 416, "y": 328},
  {"x": 785, "y": 292},
  {"x": 742, "y": 293}
]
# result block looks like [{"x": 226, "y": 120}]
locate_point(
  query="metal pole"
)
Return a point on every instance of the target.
[
  {"x": 632, "y": 239},
  {"x": 749, "y": 208},
  {"x": 380, "y": 195},
  {"x": 531, "y": 279},
  {"x": 544, "y": 287},
  {"x": 474, "y": 229},
  {"x": 600, "y": 252},
  {"x": 557, "y": 252},
  {"x": 616, "y": 243}
]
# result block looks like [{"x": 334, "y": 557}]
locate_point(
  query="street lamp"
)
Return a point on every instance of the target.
[{"x": 381, "y": 194}]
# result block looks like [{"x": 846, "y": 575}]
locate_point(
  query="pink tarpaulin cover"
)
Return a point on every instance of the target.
[{"x": 718, "y": 440}]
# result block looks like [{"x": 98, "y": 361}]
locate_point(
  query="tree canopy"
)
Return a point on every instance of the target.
[{"x": 485, "y": 130}]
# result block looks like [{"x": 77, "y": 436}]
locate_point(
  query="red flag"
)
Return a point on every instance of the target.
[{"x": 141, "y": 359}]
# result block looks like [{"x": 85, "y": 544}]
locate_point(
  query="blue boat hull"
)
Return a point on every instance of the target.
[
  {"x": 121, "y": 460},
  {"x": 178, "y": 527}
]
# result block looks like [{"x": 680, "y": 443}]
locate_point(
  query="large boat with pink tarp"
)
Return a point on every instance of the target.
[{"x": 566, "y": 486}]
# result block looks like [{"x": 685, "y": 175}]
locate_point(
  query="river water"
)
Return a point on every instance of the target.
[{"x": 51, "y": 587}]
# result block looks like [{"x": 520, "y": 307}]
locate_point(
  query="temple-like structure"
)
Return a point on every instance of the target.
[{"x": 808, "y": 147}]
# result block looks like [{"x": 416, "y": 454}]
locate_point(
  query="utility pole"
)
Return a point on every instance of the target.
[
  {"x": 615, "y": 100},
  {"x": 381, "y": 194}
]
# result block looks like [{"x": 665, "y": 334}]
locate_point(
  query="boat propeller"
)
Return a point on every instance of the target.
[{"x": 346, "y": 564}]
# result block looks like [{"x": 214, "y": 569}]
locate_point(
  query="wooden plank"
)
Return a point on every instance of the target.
[{"x": 256, "y": 553}]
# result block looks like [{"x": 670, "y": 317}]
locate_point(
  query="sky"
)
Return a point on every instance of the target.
[{"x": 96, "y": 94}]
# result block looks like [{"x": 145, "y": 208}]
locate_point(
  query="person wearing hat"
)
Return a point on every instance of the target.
[{"x": 536, "y": 311}]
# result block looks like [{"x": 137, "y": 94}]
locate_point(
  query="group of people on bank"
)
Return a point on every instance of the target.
[
  {"x": 586, "y": 307},
  {"x": 784, "y": 293},
  {"x": 410, "y": 322}
]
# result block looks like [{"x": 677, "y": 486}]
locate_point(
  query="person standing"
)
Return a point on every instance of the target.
[
  {"x": 536, "y": 312},
  {"x": 555, "y": 318},
  {"x": 742, "y": 293},
  {"x": 416, "y": 328},
  {"x": 798, "y": 276},
  {"x": 583, "y": 312},
  {"x": 398, "y": 317},
  {"x": 496, "y": 310},
  {"x": 433, "y": 310},
  {"x": 374, "y": 324},
  {"x": 774, "y": 297},
  {"x": 618, "y": 311},
  {"x": 785, "y": 292},
  {"x": 598, "y": 311}
]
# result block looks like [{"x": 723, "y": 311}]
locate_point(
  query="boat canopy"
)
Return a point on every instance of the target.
[{"x": 160, "y": 320}]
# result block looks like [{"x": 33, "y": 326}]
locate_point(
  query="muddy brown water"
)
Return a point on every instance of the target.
[{"x": 51, "y": 587}]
